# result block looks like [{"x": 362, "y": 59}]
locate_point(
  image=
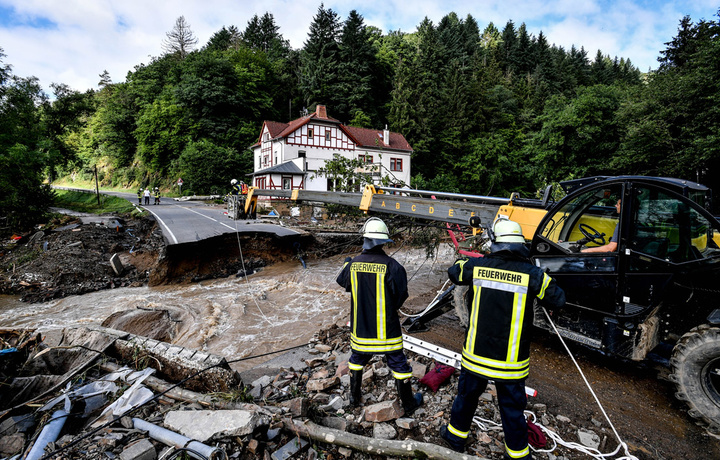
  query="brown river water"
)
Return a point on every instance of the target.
[{"x": 279, "y": 307}]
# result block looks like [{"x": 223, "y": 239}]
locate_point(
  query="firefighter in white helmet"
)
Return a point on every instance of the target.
[
  {"x": 235, "y": 188},
  {"x": 378, "y": 287},
  {"x": 497, "y": 344}
]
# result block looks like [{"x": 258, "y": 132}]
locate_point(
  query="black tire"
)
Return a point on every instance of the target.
[
  {"x": 696, "y": 373},
  {"x": 460, "y": 294}
]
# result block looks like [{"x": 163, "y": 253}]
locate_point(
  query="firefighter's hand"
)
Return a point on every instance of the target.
[{"x": 575, "y": 247}]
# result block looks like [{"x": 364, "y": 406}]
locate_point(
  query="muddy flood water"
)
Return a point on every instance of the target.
[{"x": 280, "y": 306}]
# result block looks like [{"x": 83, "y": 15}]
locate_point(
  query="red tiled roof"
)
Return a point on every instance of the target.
[{"x": 374, "y": 138}]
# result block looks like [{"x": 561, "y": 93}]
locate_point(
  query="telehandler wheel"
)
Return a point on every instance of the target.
[
  {"x": 460, "y": 294},
  {"x": 696, "y": 373}
]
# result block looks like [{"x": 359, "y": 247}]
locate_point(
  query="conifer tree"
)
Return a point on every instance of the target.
[
  {"x": 319, "y": 59},
  {"x": 357, "y": 66}
]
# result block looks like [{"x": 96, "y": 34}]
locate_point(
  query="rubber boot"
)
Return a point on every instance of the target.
[
  {"x": 356, "y": 388},
  {"x": 409, "y": 401},
  {"x": 456, "y": 443}
]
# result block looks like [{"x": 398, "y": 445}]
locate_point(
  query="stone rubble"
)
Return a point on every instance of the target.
[{"x": 318, "y": 393}]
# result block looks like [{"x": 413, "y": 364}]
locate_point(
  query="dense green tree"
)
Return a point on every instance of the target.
[
  {"x": 578, "y": 136},
  {"x": 223, "y": 39},
  {"x": 356, "y": 86},
  {"x": 113, "y": 125},
  {"x": 23, "y": 198},
  {"x": 66, "y": 114},
  {"x": 263, "y": 34},
  {"x": 207, "y": 167},
  {"x": 319, "y": 60}
]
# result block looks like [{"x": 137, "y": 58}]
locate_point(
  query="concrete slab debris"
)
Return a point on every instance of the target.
[{"x": 204, "y": 425}]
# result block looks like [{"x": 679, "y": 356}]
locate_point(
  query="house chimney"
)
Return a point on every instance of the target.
[
  {"x": 386, "y": 135},
  {"x": 320, "y": 111}
]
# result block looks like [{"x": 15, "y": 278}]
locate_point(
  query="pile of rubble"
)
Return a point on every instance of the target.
[
  {"x": 108, "y": 412},
  {"x": 78, "y": 258}
]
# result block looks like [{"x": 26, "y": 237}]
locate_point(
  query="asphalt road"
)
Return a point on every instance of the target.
[{"x": 189, "y": 221}]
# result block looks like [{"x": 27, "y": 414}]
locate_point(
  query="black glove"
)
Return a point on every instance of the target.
[{"x": 575, "y": 247}]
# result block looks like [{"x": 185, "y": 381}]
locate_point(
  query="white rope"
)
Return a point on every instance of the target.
[
  {"x": 242, "y": 261},
  {"x": 591, "y": 452},
  {"x": 430, "y": 305},
  {"x": 554, "y": 437}
]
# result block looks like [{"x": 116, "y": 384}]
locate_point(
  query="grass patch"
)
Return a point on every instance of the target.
[{"x": 88, "y": 202}]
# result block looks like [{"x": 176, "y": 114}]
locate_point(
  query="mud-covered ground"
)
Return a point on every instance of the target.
[
  {"x": 70, "y": 258},
  {"x": 75, "y": 259},
  {"x": 638, "y": 400}
]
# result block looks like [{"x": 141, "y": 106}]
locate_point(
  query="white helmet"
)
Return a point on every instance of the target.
[
  {"x": 233, "y": 182},
  {"x": 507, "y": 231},
  {"x": 376, "y": 229}
]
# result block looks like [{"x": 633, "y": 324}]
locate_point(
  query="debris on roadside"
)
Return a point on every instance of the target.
[{"x": 107, "y": 409}]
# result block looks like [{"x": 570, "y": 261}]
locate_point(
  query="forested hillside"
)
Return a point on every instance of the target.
[{"x": 487, "y": 109}]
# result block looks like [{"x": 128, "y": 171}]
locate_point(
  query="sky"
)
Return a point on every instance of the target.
[{"x": 74, "y": 41}]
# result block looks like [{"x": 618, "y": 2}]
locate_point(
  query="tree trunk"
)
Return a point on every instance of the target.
[{"x": 405, "y": 448}]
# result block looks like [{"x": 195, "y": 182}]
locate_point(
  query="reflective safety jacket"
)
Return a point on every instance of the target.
[
  {"x": 504, "y": 286},
  {"x": 378, "y": 285}
]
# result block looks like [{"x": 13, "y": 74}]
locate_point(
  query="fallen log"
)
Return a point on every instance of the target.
[{"x": 405, "y": 448}]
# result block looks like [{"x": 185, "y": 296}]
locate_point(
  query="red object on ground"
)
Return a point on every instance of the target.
[
  {"x": 437, "y": 376},
  {"x": 536, "y": 437}
]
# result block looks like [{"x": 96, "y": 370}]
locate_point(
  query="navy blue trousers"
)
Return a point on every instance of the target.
[
  {"x": 396, "y": 360},
  {"x": 512, "y": 401}
]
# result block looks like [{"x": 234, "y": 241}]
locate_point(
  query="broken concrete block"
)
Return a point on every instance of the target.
[
  {"x": 368, "y": 375},
  {"x": 314, "y": 362},
  {"x": 322, "y": 384},
  {"x": 321, "y": 374},
  {"x": 345, "y": 452},
  {"x": 384, "y": 431},
  {"x": 116, "y": 264},
  {"x": 406, "y": 423},
  {"x": 383, "y": 411},
  {"x": 253, "y": 446},
  {"x": 418, "y": 369},
  {"x": 139, "y": 450},
  {"x": 258, "y": 386},
  {"x": 342, "y": 369},
  {"x": 204, "y": 425},
  {"x": 12, "y": 444},
  {"x": 336, "y": 423},
  {"x": 588, "y": 438},
  {"x": 323, "y": 348},
  {"x": 336, "y": 403},
  {"x": 288, "y": 450},
  {"x": 298, "y": 406}
]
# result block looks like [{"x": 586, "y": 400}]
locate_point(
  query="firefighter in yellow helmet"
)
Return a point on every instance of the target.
[
  {"x": 378, "y": 287},
  {"x": 497, "y": 344}
]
